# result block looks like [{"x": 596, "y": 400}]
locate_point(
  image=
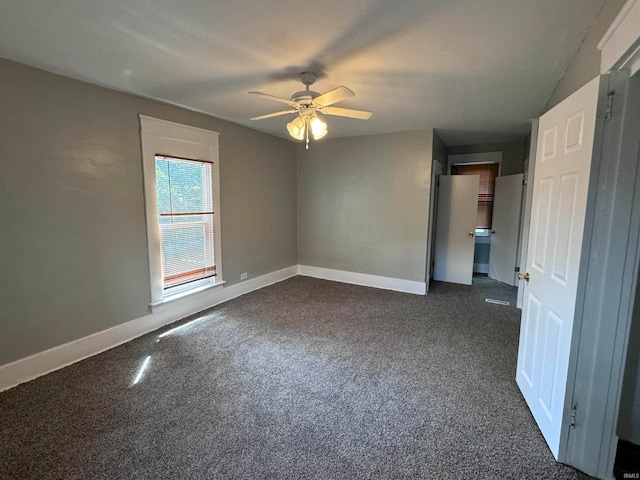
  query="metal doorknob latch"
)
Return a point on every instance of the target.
[
  {"x": 471, "y": 234},
  {"x": 524, "y": 276}
]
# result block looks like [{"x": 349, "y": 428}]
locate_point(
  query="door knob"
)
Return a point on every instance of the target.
[
  {"x": 471, "y": 234},
  {"x": 493, "y": 231},
  {"x": 524, "y": 276}
]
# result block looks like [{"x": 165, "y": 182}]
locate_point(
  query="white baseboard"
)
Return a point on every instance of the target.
[
  {"x": 387, "y": 283},
  {"x": 55, "y": 358},
  {"x": 41, "y": 363}
]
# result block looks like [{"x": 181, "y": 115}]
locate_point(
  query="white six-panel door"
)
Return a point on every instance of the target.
[
  {"x": 563, "y": 161},
  {"x": 455, "y": 228}
]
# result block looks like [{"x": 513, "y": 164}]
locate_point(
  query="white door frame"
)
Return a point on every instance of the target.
[{"x": 619, "y": 47}]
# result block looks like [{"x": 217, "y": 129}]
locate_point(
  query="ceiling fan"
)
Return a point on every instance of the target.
[{"x": 307, "y": 104}]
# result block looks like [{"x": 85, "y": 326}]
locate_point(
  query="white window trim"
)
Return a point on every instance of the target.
[{"x": 161, "y": 137}]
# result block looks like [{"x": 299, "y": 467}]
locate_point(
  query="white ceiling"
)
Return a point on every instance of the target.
[{"x": 478, "y": 70}]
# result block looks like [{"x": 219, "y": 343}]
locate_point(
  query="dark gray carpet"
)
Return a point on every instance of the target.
[{"x": 306, "y": 379}]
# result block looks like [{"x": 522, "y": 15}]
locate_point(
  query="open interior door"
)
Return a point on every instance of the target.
[
  {"x": 455, "y": 228},
  {"x": 560, "y": 186},
  {"x": 505, "y": 228}
]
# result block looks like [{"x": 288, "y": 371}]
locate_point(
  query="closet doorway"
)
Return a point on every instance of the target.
[{"x": 494, "y": 223}]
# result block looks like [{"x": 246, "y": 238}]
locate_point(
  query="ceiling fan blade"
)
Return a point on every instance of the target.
[
  {"x": 347, "y": 112},
  {"x": 333, "y": 96},
  {"x": 269, "y": 115},
  {"x": 272, "y": 97}
]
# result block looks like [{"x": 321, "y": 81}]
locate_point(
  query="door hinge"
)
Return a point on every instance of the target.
[
  {"x": 574, "y": 409},
  {"x": 517, "y": 269},
  {"x": 609, "y": 112},
  {"x": 524, "y": 182}
]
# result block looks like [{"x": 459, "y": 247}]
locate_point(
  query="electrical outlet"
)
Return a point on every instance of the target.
[{"x": 243, "y": 276}]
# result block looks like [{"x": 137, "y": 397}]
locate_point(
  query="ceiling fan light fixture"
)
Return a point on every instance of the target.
[
  {"x": 296, "y": 128},
  {"x": 308, "y": 105}
]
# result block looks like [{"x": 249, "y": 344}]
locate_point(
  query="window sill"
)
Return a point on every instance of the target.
[{"x": 181, "y": 295}]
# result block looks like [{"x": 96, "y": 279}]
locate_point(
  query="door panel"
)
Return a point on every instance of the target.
[
  {"x": 541, "y": 216},
  {"x": 507, "y": 205},
  {"x": 561, "y": 258},
  {"x": 528, "y": 340},
  {"x": 455, "y": 221},
  {"x": 560, "y": 185}
]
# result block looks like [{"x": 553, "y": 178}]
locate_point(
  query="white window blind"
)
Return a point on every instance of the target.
[{"x": 185, "y": 216}]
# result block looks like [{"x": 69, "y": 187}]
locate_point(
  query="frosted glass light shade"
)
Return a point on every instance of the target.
[
  {"x": 296, "y": 128},
  {"x": 318, "y": 127}
]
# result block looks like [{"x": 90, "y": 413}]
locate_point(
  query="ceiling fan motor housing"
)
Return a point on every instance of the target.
[{"x": 304, "y": 97}]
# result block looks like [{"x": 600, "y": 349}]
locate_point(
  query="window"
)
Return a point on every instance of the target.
[
  {"x": 488, "y": 173},
  {"x": 182, "y": 205},
  {"x": 185, "y": 216}
]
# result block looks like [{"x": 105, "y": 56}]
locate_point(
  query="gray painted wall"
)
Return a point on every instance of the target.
[
  {"x": 363, "y": 204},
  {"x": 74, "y": 254},
  {"x": 585, "y": 66},
  {"x": 513, "y": 155}
]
